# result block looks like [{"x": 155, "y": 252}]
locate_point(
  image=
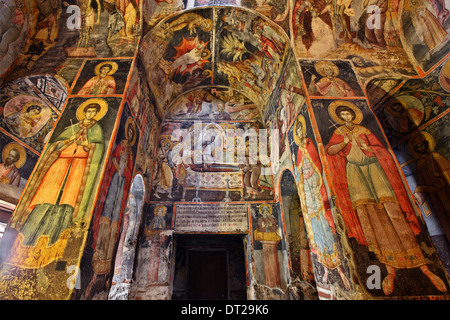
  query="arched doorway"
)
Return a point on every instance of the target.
[{"x": 209, "y": 266}]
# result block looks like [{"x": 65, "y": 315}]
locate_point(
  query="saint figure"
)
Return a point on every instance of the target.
[
  {"x": 14, "y": 157},
  {"x": 329, "y": 85},
  {"x": 314, "y": 198},
  {"x": 57, "y": 196},
  {"x": 102, "y": 83},
  {"x": 374, "y": 204}
]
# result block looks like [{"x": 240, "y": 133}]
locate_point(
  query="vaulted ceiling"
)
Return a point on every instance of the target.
[
  {"x": 253, "y": 51},
  {"x": 220, "y": 47}
]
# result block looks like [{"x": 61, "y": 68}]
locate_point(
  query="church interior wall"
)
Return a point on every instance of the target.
[{"x": 171, "y": 80}]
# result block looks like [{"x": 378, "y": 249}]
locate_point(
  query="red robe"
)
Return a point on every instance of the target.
[{"x": 338, "y": 164}]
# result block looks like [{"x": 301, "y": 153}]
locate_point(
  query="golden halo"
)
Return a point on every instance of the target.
[
  {"x": 161, "y": 206},
  {"x": 321, "y": 64},
  {"x": 419, "y": 137},
  {"x": 114, "y": 67},
  {"x": 164, "y": 139},
  {"x": 300, "y": 119},
  {"x": 207, "y": 73},
  {"x": 33, "y": 102},
  {"x": 265, "y": 205},
  {"x": 131, "y": 121},
  {"x": 103, "y": 108},
  {"x": 332, "y": 111},
  {"x": 239, "y": 143},
  {"x": 23, "y": 155},
  {"x": 395, "y": 101},
  {"x": 209, "y": 25},
  {"x": 226, "y": 126},
  {"x": 446, "y": 69}
]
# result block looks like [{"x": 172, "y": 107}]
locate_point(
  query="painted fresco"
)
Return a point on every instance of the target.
[
  {"x": 250, "y": 53},
  {"x": 156, "y": 10},
  {"x": 50, "y": 88},
  {"x": 192, "y": 163},
  {"x": 357, "y": 157},
  {"x": 56, "y": 41},
  {"x": 426, "y": 26},
  {"x": 31, "y": 107},
  {"x": 18, "y": 24},
  {"x": 41, "y": 32},
  {"x": 214, "y": 104},
  {"x": 102, "y": 77},
  {"x": 424, "y": 159},
  {"x": 69, "y": 70},
  {"x": 147, "y": 152},
  {"x": 288, "y": 94},
  {"x": 15, "y": 22},
  {"x": 124, "y": 26},
  {"x": 188, "y": 53},
  {"x": 378, "y": 90},
  {"x": 416, "y": 103},
  {"x": 325, "y": 79},
  {"x": 269, "y": 245},
  {"x": 59, "y": 198},
  {"x": 110, "y": 207},
  {"x": 135, "y": 94},
  {"x": 153, "y": 258},
  {"x": 198, "y": 75},
  {"x": 112, "y": 29},
  {"x": 16, "y": 166},
  {"x": 29, "y": 119},
  {"x": 286, "y": 100},
  {"x": 244, "y": 44},
  {"x": 124, "y": 262},
  {"x": 148, "y": 117},
  {"x": 299, "y": 251},
  {"x": 330, "y": 265},
  {"x": 180, "y": 57},
  {"x": 277, "y": 11},
  {"x": 351, "y": 30}
]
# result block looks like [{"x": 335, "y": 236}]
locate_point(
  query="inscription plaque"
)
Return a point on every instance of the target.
[{"x": 211, "y": 218}]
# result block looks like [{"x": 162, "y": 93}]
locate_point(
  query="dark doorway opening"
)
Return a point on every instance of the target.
[
  {"x": 209, "y": 267},
  {"x": 207, "y": 274}
]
